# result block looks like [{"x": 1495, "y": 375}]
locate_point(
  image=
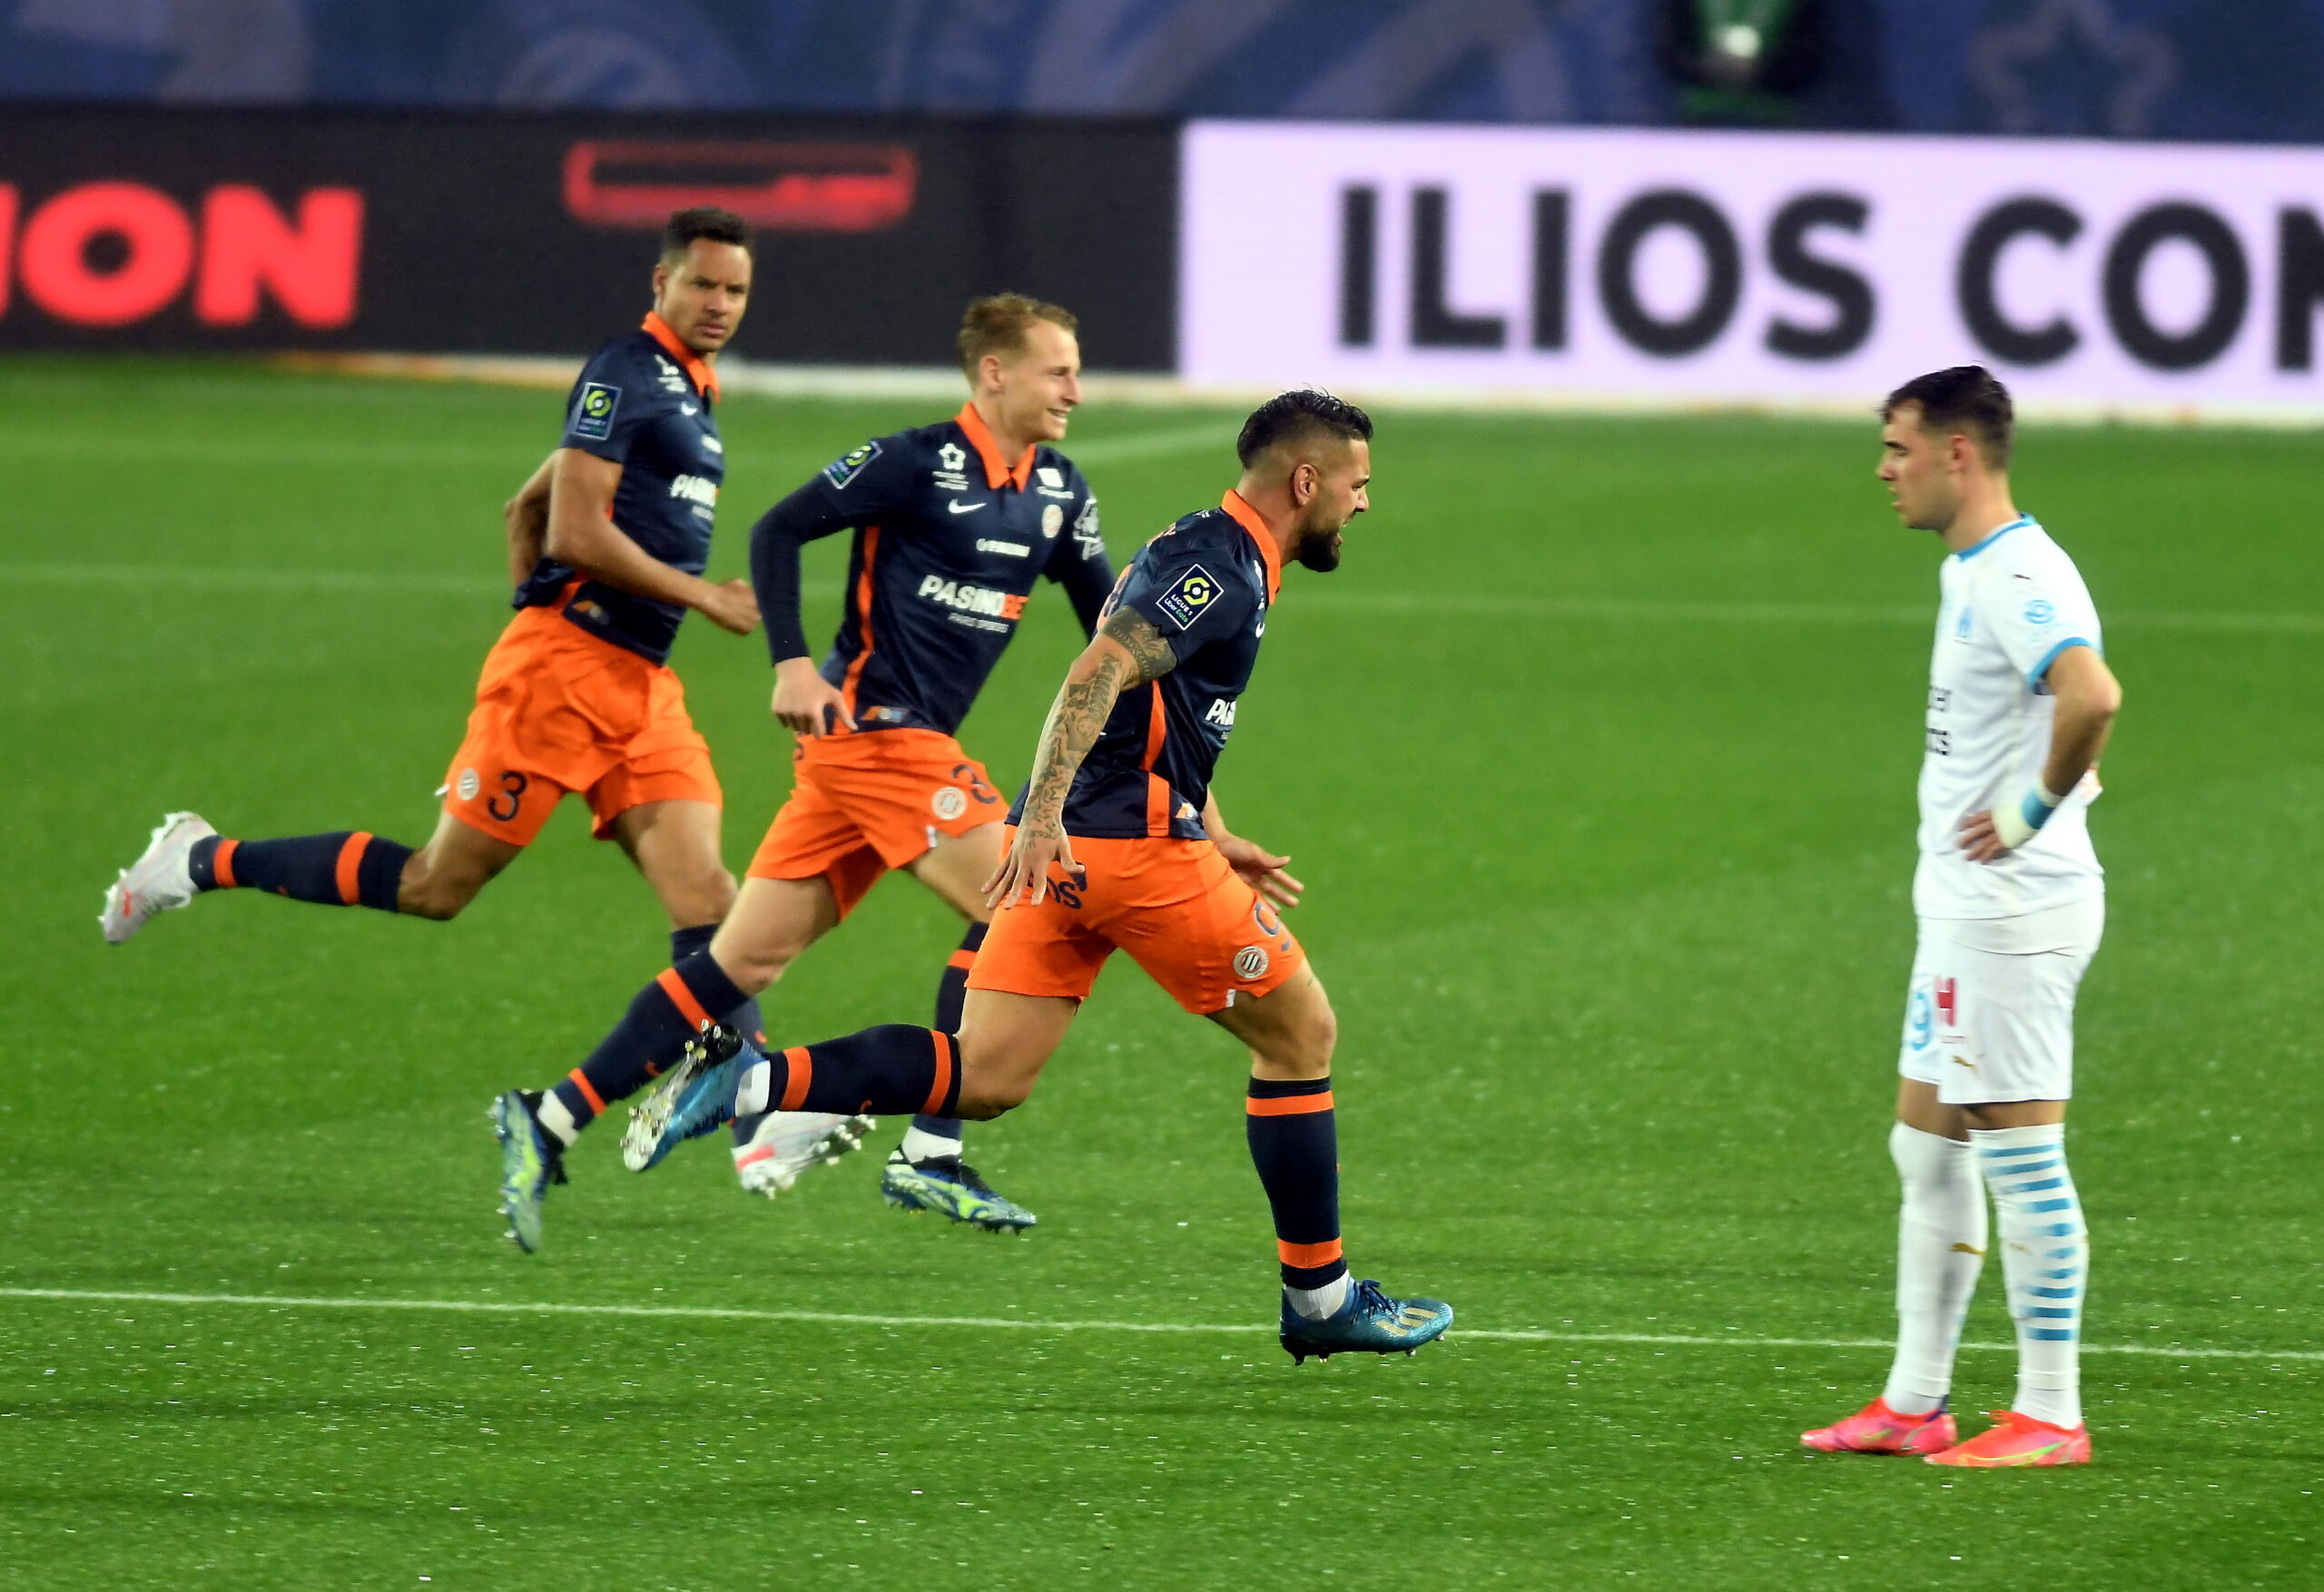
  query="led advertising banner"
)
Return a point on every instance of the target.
[{"x": 1749, "y": 266}]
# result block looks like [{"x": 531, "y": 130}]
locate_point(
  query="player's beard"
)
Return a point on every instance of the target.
[{"x": 1319, "y": 551}]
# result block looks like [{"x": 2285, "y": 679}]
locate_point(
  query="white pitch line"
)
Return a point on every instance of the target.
[{"x": 846, "y": 1319}]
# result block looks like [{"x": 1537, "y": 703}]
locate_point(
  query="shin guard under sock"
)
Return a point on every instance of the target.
[
  {"x": 887, "y": 1071},
  {"x": 1294, "y": 1144},
  {"x": 2045, "y": 1258},
  {"x": 665, "y": 1014},
  {"x": 1941, "y": 1243},
  {"x": 951, "y": 995},
  {"x": 344, "y": 869},
  {"x": 744, "y": 1019}
]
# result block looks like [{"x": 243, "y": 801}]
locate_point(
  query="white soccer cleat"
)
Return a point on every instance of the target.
[
  {"x": 158, "y": 880},
  {"x": 787, "y": 1142}
]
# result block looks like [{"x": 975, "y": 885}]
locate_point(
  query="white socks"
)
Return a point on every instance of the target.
[
  {"x": 919, "y": 1144},
  {"x": 2045, "y": 1256},
  {"x": 752, "y": 1090},
  {"x": 1941, "y": 1243},
  {"x": 555, "y": 1119},
  {"x": 1315, "y": 1303}
]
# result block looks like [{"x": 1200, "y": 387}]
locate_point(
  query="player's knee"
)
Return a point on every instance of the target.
[
  {"x": 1304, "y": 1050},
  {"x": 705, "y": 897},
  {"x": 432, "y": 892},
  {"x": 981, "y": 1100}
]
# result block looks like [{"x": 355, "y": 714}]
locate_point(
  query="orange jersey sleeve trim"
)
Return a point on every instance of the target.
[
  {"x": 348, "y": 875},
  {"x": 1289, "y": 1104}
]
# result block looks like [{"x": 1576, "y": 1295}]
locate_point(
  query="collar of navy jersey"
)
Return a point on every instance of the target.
[
  {"x": 980, "y": 437},
  {"x": 1244, "y": 514},
  {"x": 698, "y": 368},
  {"x": 2022, "y": 521}
]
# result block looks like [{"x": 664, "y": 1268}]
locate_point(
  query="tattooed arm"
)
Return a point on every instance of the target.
[{"x": 1126, "y": 653}]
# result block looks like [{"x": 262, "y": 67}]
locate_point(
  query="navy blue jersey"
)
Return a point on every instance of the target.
[
  {"x": 642, "y": 401},
  {"x": 1205, "y": 584},
  {"x": 950, "y": 538}
]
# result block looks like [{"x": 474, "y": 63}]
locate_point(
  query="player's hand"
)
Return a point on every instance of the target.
[
  {"x": 1025, "y": 871},
  {"x": 1262, "y": 870},
  {"x": 805, "y": 703},
  {"x": 1980, "y": 840},
  {"x": 733, "y": 606}
]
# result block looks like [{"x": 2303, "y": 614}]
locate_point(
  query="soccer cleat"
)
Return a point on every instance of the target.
[
  {"x": 1878, "y": 1430},
  {"x": 1367, "y": 1322},
  {"x": 691, "y": 1099},
  {"x": 157, "y": 881},
  {"x": 787, "y": 1142},
  {"x": 2019, "y": 1439},
  {"x": 529, "y": 1162},
  {"x": 950, "y": 1187}
]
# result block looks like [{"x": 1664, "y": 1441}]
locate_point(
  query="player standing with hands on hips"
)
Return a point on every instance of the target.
[{"x": 2011, "y": 902}]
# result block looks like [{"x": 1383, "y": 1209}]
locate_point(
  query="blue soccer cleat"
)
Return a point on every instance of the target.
[
  {"x": 529, "y": 1162},
  {"x": 1367, "y": 1322},
  {"x": 950, "y": 1187},
  {"x": 692, "y": 1098}
]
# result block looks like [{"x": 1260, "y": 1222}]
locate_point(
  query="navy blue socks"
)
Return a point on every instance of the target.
[
  {"x": 345, "y": 869},
  {"x": 951, "y": 994},
  {"x": 1294, "y": 1144},
  {"x": 665, "y": 1014},
  {"x": 888, "y": 1071}
]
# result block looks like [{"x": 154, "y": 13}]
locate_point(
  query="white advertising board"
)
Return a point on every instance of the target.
[{"x": 1749, "y": 266}]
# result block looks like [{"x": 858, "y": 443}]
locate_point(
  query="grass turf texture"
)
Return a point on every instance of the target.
[{"x": 1597, "y": 757}]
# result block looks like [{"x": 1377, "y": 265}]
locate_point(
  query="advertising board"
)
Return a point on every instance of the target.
[{"x": 1745, "y": 266}]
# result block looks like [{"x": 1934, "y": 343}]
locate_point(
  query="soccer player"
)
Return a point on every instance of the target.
[
  {"x": 1118, "y": 844},
  {"x": 2011, "y": 903},
  {"x": 607, "y": 542},
  {"x": 952, "y": 522}
]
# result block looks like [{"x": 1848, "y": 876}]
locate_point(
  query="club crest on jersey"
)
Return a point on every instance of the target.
[
  {"x": 469, "y": 784},
  {"x": 592, "y": 416},
  {"x": 1251, "y": 962},
  {"x": 948, "y": 803},
  {"x": 1185, "y": 601},
  {"x": 849, "y": 464},
  {"x": 2041, "y": 610},
  {"x": 1052, "y": 521}
]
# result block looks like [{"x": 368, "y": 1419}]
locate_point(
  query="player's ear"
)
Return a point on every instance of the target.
[
  {"x": 1305, "y": 480},
  {"x": 989, "y": 371}
]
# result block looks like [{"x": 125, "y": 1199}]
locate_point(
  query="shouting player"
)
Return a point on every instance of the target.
[
  {"x": 1119, "y": 844},
  {"x": 2011, "y": 903},
  {"x": 607, "y": 543},
  {"x": 952, "y": 524}
]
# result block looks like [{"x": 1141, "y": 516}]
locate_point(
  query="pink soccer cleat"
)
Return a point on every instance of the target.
[
  {"x": 1878, "y": 1430},
  {"x": 2019, "y": 1439}
]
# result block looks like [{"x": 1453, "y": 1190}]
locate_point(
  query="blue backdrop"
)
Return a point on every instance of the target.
[{"x": 2192, "y": 69}]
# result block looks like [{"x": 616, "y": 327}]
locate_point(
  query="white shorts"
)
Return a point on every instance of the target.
[{"x": 1990, "y": 1014}]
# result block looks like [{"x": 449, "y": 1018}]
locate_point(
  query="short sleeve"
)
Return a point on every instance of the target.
[
  {"x": 609, "y": 406},
  {"x": 2041, "y": 609},
  {"x": 1190, "y": 593},
  {"x": 1082, "y": 541},
  {"x": 869, "y": 480}
]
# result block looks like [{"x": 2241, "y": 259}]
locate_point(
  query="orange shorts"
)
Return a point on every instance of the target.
[
  {"x": 1175, "y": 906},
  {"x": 863, "y": 804},
  {"x": 559, "y": 711}
]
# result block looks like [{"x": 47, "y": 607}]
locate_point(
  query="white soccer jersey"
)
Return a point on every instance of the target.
[{"x": 2010, "y": 605}]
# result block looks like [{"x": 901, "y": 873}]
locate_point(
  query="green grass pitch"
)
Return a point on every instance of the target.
[{"x": 1597, "y": 757}]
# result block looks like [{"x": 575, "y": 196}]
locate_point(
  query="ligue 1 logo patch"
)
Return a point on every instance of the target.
[
  {"x": 949, "y": 802},
  {"x": 1185, "y": 601},
  {"x": 592, "y": 416},
  {"x": 469, "y": 784},
  {"x": 1251, "y": 962},
  {"x": 849, "y": 464}
]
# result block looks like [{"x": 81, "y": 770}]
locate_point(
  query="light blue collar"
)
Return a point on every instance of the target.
[{"x": 1969, "y": 553}]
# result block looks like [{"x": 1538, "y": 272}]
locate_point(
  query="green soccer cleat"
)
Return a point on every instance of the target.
[
  {"x": 529, "y": 1162},
  {"x": 1367, "y": 1322},
  {"x": 950, "y": 1187}
]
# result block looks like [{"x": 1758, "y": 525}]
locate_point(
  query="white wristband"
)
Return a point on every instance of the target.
[{"x": 2016, "y": 823}]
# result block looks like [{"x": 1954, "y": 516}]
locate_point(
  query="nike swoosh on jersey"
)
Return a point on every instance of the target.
[{"x": 957, "y": 506}]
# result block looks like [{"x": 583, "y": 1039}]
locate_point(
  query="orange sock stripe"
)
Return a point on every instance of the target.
[
  {"x": 222, "y": 864},
  {"x": 1308, "y": 1255},
  {"x": 962, "y": 960},
  {"x": 683, "y": 999},
  {"x": 1289, "y": 1104},
  {"x": 943, "y": 1084},
  {"x": 588, "y": 1093},
  {"x": 801, "y": 1074},
  {"x": 350, "y": 859}
]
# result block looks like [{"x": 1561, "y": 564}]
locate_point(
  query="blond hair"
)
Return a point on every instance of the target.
[{"x": 998, "y": 324}]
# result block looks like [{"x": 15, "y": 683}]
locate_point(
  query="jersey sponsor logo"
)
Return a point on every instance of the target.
[
  {"x": 963, "y": 598},
  {"x": 688, "y": 409},
  {"x": 1251, "y": 963},
  {"x": 1054, "y": 479},
  {"x": 1052, "y": 521},
  {"x": 673, "y": 378},
  {"x": 695, "y": 489},
  {"x": 849, "y": 464},
  {"x": 948, "y": 803},
  {"x": 1185, "y": 601},
  {"x": 592, "y": 416},
  {"x": 957, "y": 506},
  {"x": 989, "y": 544},
  {"x": 1084, "y": 530},
  {"x": 1948, "y": 1002},
  {"x": 2041, "y": 612},
  {"x": 1221, "y": 713}
]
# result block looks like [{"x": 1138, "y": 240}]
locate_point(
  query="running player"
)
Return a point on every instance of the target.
[
  {"x": 952, "y": 524},
  {"x": 1119, "y": 844},
  {"x": 607, "y": 542},
  {"x": 2011, "y": 901}
]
